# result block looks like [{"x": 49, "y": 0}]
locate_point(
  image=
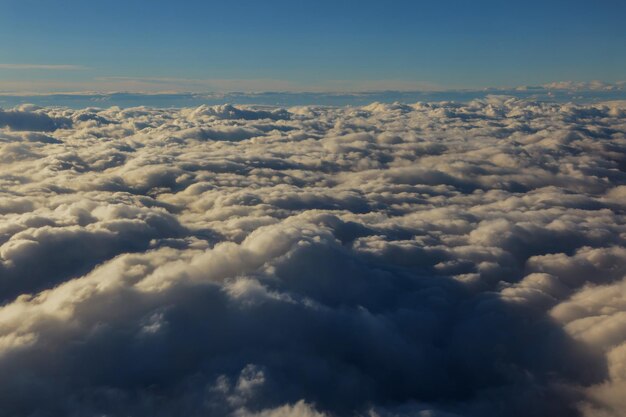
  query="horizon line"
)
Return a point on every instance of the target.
[{"x": 557, "y": 86}]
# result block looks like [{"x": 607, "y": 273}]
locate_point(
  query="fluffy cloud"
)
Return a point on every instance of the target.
[
  {"x": 434, "y": 259},
  {"x": 25, "y": 118}
]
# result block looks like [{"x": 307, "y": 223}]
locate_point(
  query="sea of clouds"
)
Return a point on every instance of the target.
[{"x": 391, "y": 260}]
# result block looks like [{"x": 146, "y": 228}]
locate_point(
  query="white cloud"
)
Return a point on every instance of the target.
[{"x": 434, "y": 259}]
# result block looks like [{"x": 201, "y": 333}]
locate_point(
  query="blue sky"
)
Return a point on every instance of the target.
[{"x": 158, "y": 45}]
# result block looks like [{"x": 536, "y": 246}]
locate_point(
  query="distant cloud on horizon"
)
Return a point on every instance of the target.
[
  {"x": 161, "y": 92},
  {"x": 175, "y": 85}
]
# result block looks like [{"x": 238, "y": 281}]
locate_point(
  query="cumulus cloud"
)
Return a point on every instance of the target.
[
  {"x": 26, "y": 119},
  {"x": 432, "y": 259}
]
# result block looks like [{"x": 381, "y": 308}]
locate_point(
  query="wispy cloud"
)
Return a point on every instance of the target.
[
  {"x": 87, "y": 84},
  {"x": 50, "y": 67},
  {"x": 265, "y": 84},
  {"x": 173, "y": 84}
]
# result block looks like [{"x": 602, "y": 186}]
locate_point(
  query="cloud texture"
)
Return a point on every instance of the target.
[{"x": 433, "y": 259}]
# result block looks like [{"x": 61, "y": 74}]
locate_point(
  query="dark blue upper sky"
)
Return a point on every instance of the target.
[{"x": 307, "y": 45}]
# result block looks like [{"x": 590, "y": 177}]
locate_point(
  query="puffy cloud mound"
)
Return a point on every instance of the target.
[
  {"x": 25, "y": 119},
  {"x": 434, "y": 259}
]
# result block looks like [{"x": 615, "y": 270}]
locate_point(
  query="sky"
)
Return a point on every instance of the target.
[{"x": 280, "y": 45}]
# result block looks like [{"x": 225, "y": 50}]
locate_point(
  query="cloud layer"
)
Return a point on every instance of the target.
[{"x": 433, "y": 259}]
